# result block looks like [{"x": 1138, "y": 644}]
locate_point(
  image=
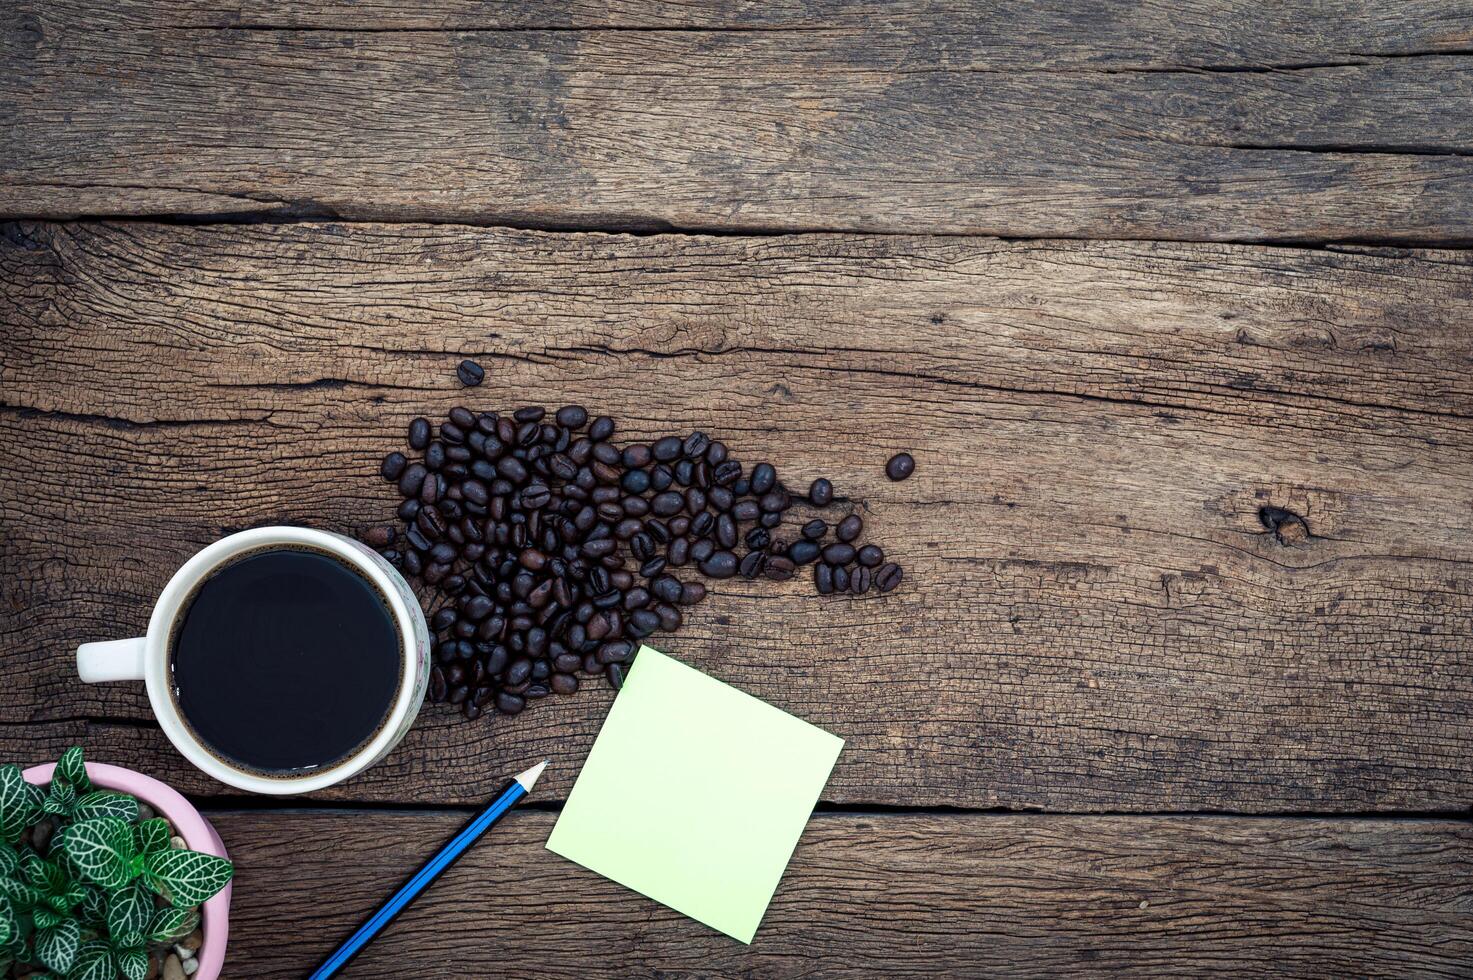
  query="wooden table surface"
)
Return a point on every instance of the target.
[{"x": 1173, "y": 304}]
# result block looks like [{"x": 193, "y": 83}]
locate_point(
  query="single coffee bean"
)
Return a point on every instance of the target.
[
  {"x": 716, "y": 453},
  {"x": 702, "y": 549},
  {"x": 429, "y": 490},
  {"x": 520, "y": 670},
  {"x": 443, "y": 553},
  {"x": 470, "y": 373},
  {"x": 900, "y": 466},
  {"x": 839, "y": 553},
  {"x": 616, "y": 676},
  {"x": 771, "y": 519},
  {"x": 815, "y": 529},
  {"x": 820, "y": 493},
  {"x": 379, "y": 537},
  {"x": 726, "y": 474},
  {"x": 437, "y": 685},
  {"x": 823, "y": 579},
  {"x": 667, "y": 503},
  {"x": 660, "y": 477},
  {"x": 635, "y": 481},
  {"x": 721, "y": 564},
  {"x": 703, "y": 524},
  {"x": 849, "y": 528},
  {"x": 692, "y": 593},
  {"x": 601, "y": 429},
  {"x": 615, "y": 651},
  {"x": 452, "y": 433},
  {"x": 637, "y": 456},
  {"x": 667, "y": 588},
  {"x": 653, "y": 566},
  {"x": 532, "y": 413},
  {"x": 780, "y": 569},
  {"x": 667, "y": 449},
  {"x": 803, "y": 551},
  {"x": 695, "y": 445},
  {"x": 419, "y": 433},
  {"x": 758, "y": 538},
  {"x": 442, "y": 620},
  {"x": 726, "y": 531},
  {"x": 764, "y": 477},
  {"x": 564, "y": 683},
  {"x": 572, "y": 416},
  {"x": 636, "y": 598},
  {"x": 752, "y": 564},
  {"x": 463, "y": 417},
  {"x": 435, "y": 455},
  {"x": 512, "y": 469},
  {"x": 841, "y": 579},
  {"x": 642, "y": 622},
  {"x": 509, "y": 704},
  {"x": 678, "y": 553},
  {"x": 746, "y": 510},
  {"x": 888, "y": 577},
  {"x": 859, "y": 580},
  {"x": 695, "y": 501},
  {"x": 607, "y": 453},
  {"x": 774, "y": 502},
  {"x": 670, "y": 617},
  {"x": 870, "y": 555},
  {"x": 412, "y": 479},
  {"x": 392, "y": 466}
]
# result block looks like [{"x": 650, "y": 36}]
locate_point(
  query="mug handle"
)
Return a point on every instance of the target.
[{"x": 111, "y": 660}]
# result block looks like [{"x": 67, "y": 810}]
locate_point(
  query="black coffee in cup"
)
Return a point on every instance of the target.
[{"x": 285, "y": 659}]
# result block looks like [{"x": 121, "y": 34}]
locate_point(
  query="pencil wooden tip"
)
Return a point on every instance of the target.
[{"x": 529, "y": 778}]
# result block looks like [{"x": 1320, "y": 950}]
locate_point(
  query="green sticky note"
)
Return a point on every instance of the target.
[{"x": 695, "y": 794}]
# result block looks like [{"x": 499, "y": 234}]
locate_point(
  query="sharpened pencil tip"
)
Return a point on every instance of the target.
[{"x": 529, "y": 778}]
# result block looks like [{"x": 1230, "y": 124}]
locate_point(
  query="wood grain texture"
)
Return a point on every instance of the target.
[
  {"x": 1202, "y": 121},
  {"x": 869, "y": 896},
  {"x": 1094, "y": 615}
]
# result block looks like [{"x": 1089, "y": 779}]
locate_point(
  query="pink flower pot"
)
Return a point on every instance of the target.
[{"x": 187, "y": 823}]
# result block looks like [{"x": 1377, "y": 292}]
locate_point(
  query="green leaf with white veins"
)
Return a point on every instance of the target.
[
  {"x": 132, "y": 963},
  {"x": 71, "y": 768},
  {"x": 129, "y": 910},
  {"x": 9, "y": 859},
  {"x": 103, "y": 803},
  {"x": 92, "y": 909},
  {"x": 57, "y": 947},
  {"x": 9, "y": 924},
  {"x": 187, "y": 878},
  {"x": 18, "y": 893},
  {"x": 94, "y": 962},
  {"x": 102, "y": 850},
  {"x": 20, "y": 805},
  {"x": 43, "y": 874},
  {"x": 60, "y": 800},
  {"x": 151, "y": 835},
  {"x": 171, "y": 923}
]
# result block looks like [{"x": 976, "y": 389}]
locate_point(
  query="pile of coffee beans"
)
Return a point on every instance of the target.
[{"x": 550, "y": 552}]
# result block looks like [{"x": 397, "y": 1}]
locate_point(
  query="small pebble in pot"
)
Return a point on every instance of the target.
[
  {"x": 470, "y": 373},
  {"x": 900, "y": 466}
]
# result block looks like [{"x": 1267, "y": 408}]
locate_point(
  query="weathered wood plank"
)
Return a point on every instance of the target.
[
  {"x": 871, "y": 896},
  {"x": 1094, "y": 615},
  {"x": 1240, "y": 122}
]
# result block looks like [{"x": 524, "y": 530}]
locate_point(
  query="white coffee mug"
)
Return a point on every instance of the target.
[{"x": 146, "y": 658}]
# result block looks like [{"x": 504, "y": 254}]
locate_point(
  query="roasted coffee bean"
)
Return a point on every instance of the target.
[
  {"x": 820, "y": 492},
  {"x": 716, "y": 453},
  {"x": 635, "y": 481},
  {"x": 692, "y": 593},
  {"x": 859, "y": 580},
  {"x": 413, "y": 564},
  {"x": 564, "y": 683},
  {"x": 463, "y": 417},
  {"x": 779, "y": 568},
  {"x": 653, "y": 566},
  {"x": 720, "y": 498},
  {"x": 703, "y": 524},
  {"x": 443, "y": 553},
  {"x": 823, "y": 579},
  {"x": 888, "y": 577},
  {"x": 657, "y": 530},
  {"x": 702, "y": 549},
  {"x": 660, "y": 477},
  {"x": 430, "y": 490},
  {"x": 804, "y": 551},
  {"x": 379, "y": 537},
  {"x": 849, "y": 528},
  {"x": 839, "y": 553},
  {"x": 606, "y": 453},
  {"x": 572, "y": 416},
  {"x": 667, "y": 588},
  {"x": 841, "y": 578},
  {"x": 509, "y": 704},
  {"x": 601, "y": 429},
  {"x": 392, "y": 466},
  {"x": 726, "y": 474},
  {"x": 512, "y": 469},
  {"x": 642, "y": 622},
  {"x": 815, "y": 529},
  {"x": 681, "y": 472},
  {"x": 435, "y": 455},
  {"x": 726, "y": 531},
  {"x": 667, "y": 449},
  {"x": 695, "y": 501},
  {"x": 637, "y": 456},
  {"x": 746, "y": 510},
  {"x": 758, "y": 538},
  {"x": 695, "y": 445},
  {"x": 452, "y": 433},
  {"x": 615, "y": 651},
  {"x": 535, "y": 496},
  {"x": 437, "y": 685},
  {"x": 442, "y": 620},
  {"x": 412, "y": 479},
  {"x": 752, "y": 564},
  {"x": 764, "y": 478},
  {"x": 627, "y": 528},
  {"x": 870, "y": 555},
  {"x": 721, "y": 564},
  {"x": 532, "y": 413},
  {"x": 519, "y": 670},
  {"x": 678, "y": 553},
  {"x": 774, "y": 502},
  {"x": 771, "y": 519},
  {"x": 667, "y": 503},
  {"x": 419, "y": 433},
  {"x": 616, "y": 676},
  {"x": 900, "y": 466},
  {"x": 636, "y": 598}
]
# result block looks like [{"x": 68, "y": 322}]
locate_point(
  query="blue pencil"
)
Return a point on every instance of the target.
[{"x": 457, "y": 845}]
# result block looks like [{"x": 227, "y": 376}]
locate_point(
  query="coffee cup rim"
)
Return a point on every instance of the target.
[{"x": 169, "y": 605}]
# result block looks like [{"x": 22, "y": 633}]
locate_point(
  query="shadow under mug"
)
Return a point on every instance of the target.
[{"x": 146, "y": 658}]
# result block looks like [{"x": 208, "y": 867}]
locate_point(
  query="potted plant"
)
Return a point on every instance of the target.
[{"x": 98, "y": 880}]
